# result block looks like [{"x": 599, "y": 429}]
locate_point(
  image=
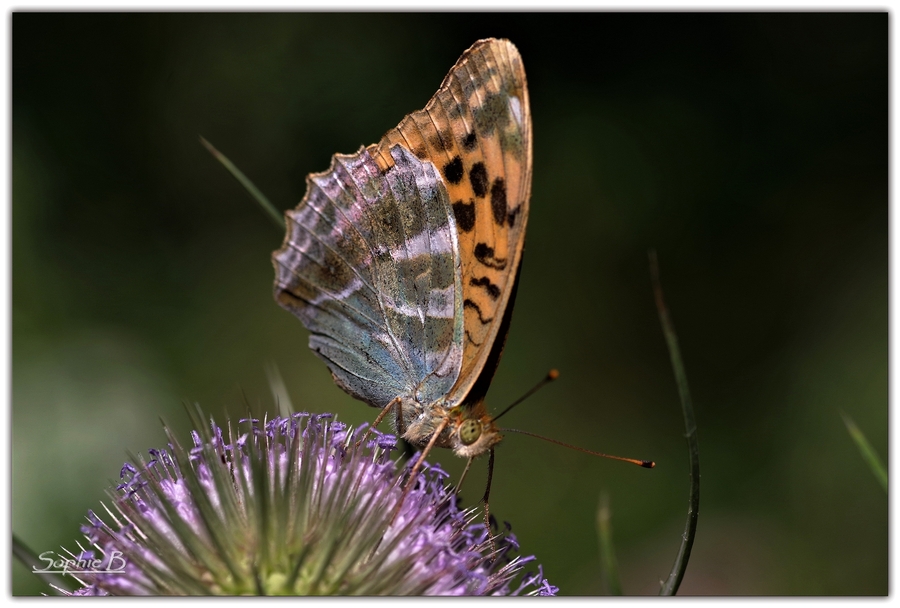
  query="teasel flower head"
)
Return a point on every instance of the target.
[{"x": 292, "y": 507}]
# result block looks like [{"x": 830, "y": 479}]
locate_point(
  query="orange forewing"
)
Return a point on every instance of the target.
[{"x": 477, "y": 131}]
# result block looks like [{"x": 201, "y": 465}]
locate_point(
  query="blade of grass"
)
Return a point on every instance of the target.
[
  {"x": 608, "y": 564},
  {"x": 29, "y": 558},
  {"x": 670, "y": 587},
  {"x": 279, "y": 390},
  {"x": 868, "y": 454},
  {"x": 270, "y": 210}
]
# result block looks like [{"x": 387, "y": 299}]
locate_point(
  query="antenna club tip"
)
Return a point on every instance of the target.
[
  {"x": 553, "y": 374},
  {"x": 648, "y": 464}
]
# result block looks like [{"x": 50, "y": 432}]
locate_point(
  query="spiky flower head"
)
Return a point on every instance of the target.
[{"x": 293, "y": 507}]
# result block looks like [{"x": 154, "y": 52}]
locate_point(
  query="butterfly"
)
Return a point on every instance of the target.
[{"x": 402, "y": 260}]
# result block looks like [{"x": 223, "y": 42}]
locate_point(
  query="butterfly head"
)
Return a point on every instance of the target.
[
  {"x": 466, "y": 429},
  {"x": 472, "y": 430}
]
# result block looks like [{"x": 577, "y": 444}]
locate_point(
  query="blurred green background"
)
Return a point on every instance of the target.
[{"x": 750, "y": 150}]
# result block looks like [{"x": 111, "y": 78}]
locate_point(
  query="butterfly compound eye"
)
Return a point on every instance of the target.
[{"x": 469, "y": 431}]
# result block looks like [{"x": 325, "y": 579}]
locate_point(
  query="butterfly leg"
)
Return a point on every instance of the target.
[
  {"x": 398, "y": 421},
  {"x": 415, "y": 470},
  {"x": 379, "y": 418},
  {"x": 487, "y": 495},
  {"x": 463, "y": 476}
]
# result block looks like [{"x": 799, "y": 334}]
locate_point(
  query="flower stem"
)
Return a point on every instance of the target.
[{"x": 670, "y": 587}]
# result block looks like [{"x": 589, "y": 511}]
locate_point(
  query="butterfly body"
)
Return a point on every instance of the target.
[{"x": 402, "y": 259}]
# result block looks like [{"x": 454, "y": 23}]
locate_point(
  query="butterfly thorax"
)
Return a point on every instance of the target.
[{"x": 470, "y": 430}]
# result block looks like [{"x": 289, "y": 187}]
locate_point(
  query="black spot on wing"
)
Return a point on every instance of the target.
[
  {"x": 479, "y": 178},
  {"x": 465, "y": 215},
  {"x": 498, "y": 200},
  {"x": 470, "y": 142},
  {"x": 453, "y": 170},
  {"x": 485, "y": 282},
  {"x": 511, "y": 218},
  {"x": 421, "y": 152},
  {"x": 467, "y": 303},
  {"x": 485, "y": 255}
]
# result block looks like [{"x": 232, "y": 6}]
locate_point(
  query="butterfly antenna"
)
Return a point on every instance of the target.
[
  {"x": 647, "y": 464},
  {"x": 550, "y": 377}
]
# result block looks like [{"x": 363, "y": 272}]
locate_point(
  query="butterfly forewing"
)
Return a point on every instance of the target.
[{"x": 477, "y": 131}]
